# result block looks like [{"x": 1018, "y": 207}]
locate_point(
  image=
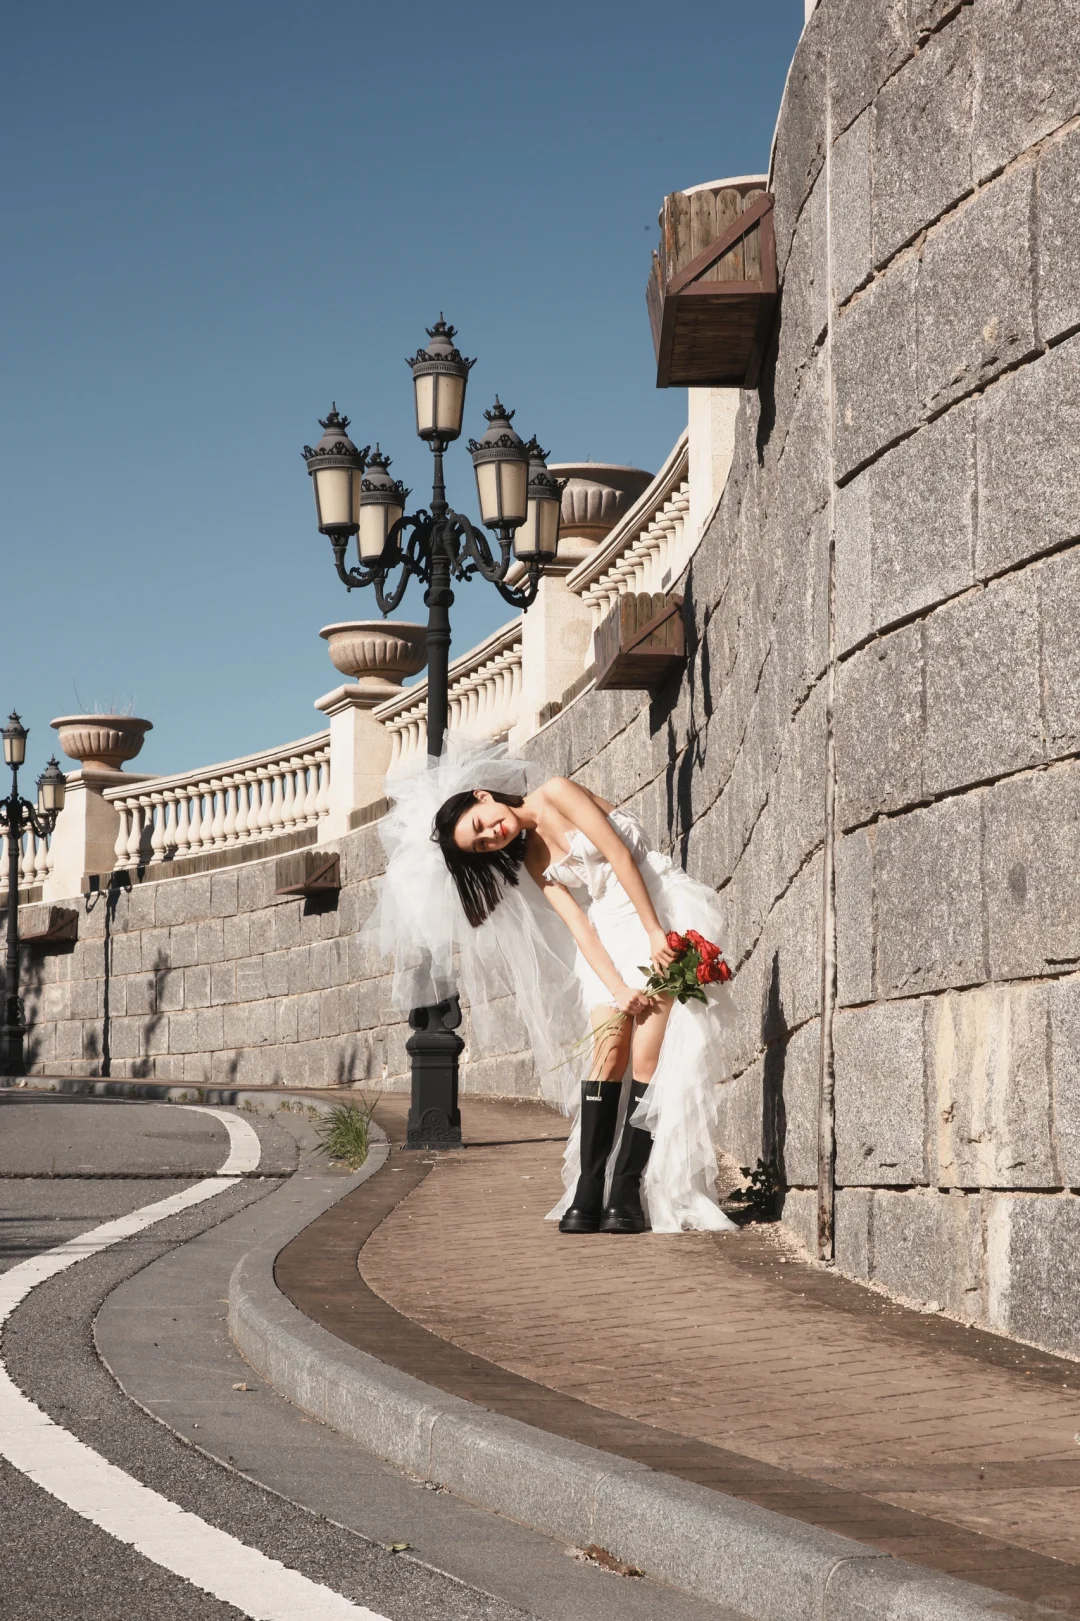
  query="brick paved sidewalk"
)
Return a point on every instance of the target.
[{"x": 968, "y": 1442}]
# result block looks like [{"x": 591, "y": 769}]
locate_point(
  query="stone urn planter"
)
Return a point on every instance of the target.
[
  {"x": 101, "y": 742},
  {"x": 596, "y": 496},
  {"x": 377, "y": 653}
]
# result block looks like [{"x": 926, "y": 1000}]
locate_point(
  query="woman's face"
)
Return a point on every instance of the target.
[{"x": 487, "y": 825}]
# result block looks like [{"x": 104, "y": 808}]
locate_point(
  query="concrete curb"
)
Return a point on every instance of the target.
[
  {"x": 718, "y": 1548},
  {"x": 266, "y": 1100}
]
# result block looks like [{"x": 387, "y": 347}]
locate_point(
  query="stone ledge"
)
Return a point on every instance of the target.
[{"x": 234, "y": 856}]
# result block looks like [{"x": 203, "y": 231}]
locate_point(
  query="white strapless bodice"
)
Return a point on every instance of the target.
[{"x": 583, "y": 866}]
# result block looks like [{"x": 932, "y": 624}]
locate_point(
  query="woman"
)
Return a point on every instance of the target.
[{"x": 552, "y": 897}]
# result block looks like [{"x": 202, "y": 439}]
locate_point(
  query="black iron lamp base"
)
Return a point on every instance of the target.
[
  {"x": 435, "y": 1047},
  {"x": 12, "y": 1051}
]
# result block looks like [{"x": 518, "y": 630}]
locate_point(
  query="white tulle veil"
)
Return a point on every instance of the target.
[{"x": 522, "y": 952}]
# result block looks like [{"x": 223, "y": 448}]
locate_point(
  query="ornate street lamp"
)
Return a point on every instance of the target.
[
  {"x": 519, "y": 503},
  {"x": 18, "y": 816}
]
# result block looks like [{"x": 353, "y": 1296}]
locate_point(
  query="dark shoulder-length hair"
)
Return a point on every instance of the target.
[{"x": 480, "y": 875}]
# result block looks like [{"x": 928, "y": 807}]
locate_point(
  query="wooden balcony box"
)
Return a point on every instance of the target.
[
  {"x": 640, "y": 643},
  {"x": 712, "y": 291},
  {"x": 308, "y": 872}
]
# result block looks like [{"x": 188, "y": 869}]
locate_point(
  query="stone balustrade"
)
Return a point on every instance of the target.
[
  {"x": 35, "y": 861},
  {"x": 484, "y": 697},
  {"x": 240, "y": 802},
  {"x": 648, "y": 548}
]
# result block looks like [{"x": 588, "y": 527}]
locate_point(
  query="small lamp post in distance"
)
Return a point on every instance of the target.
[
  {"x": 18, "y": 816},
  {"x": 519, "y": 500}
]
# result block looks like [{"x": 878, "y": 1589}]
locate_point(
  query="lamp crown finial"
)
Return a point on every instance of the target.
[
  {"x": 498, "y": 412},
  {"x": 334, "y": 420}
]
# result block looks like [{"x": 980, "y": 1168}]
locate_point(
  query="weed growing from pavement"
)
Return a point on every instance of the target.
[{"x": 345, "y": 1132}]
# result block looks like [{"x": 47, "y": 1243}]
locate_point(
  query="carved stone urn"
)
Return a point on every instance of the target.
[
  {"x": 377, "y": 654},
  {"x": 101, "y": 742},
  {"x": 596, "y": 496}
]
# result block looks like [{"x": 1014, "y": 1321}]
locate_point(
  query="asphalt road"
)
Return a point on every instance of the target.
[{"x": 126, "y": 1352}]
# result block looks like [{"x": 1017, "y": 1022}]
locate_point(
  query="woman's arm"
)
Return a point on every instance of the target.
[{"x": 578, "y": 807}]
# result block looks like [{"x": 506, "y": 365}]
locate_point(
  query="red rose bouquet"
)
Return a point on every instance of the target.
[{"x": 698, "y": 962}]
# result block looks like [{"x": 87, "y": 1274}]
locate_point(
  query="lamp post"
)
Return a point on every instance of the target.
[
  {"x": 18, "y": 816},
  {"x": 519, "y": 502}
]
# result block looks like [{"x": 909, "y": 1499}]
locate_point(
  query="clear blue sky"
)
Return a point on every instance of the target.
[{"x": 220, "y": 216}]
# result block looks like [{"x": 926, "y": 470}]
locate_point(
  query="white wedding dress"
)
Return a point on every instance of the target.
[
  {"x": 679, "y": 1108},
  {"x": 523, "y": 953}
]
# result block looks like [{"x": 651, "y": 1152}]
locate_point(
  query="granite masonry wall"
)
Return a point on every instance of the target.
[{"x": 874, "y": 751}]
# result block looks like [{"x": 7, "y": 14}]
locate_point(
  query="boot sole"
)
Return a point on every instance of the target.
[{"x": 579, "y": 1225}]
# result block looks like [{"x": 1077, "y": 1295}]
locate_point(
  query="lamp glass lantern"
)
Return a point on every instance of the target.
[
  {"x": 336, "y": 468},
  {"x": 51, "y": 789},
  {"x": 440, "y": 373},
  {"x": 14, "y": 735},
  {"x": 501, "y": 463},
  {"x": 539, "y": 535},
  {"x": 382, "y": 505}
]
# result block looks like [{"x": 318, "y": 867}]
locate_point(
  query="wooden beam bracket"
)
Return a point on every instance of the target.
[
  {"x": 641, "y": 643},
  {"x": 308, "y": 872}
]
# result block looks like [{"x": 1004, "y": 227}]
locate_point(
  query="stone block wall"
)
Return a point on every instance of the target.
[
  {"x": 213, "y": 979},
  {"x": 885, "y": 677},
  {"x": 875, "y": 751}
]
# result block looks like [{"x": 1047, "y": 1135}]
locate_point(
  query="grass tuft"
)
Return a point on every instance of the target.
[{"x": 346, "y": 1134}]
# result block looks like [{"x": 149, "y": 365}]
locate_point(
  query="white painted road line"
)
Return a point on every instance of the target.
[
  {"x": 244, "y": 1145},
  {"x": 212, "y": 1560}
]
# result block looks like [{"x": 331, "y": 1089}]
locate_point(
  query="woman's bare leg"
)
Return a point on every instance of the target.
[
  {"x": 648, "y": 1038},
  {"x": 611, "y": 1044}
]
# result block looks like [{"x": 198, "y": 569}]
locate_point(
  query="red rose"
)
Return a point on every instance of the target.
[
  {"x": 723, "y": 972},
  {"x": 677, "y": 942},
  {"x": 704, "y": 973},
  {"x": 695, "y": 938}
]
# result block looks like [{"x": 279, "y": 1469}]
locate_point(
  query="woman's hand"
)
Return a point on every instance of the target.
[
  {"x": 662, "y": 954},
  {"x": 634, "y": 1003}
]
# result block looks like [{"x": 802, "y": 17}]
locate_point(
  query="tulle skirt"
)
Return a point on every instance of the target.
[{"x": 680, "y": 1105}]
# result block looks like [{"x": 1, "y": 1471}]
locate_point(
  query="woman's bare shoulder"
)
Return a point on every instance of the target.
[{"x": 556, "y": 791}]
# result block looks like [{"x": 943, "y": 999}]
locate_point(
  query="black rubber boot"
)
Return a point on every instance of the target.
[
  {"x": 599, "y": 1117},
  {"x": 623, "y": 1212}
]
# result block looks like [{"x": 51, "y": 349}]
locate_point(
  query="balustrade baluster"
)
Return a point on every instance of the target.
[
  {"x": 169, "y": 813},
  {"x": 320, "y": 782},
  {"x": 122, "y": 832},
  {"x": 275, "y": 820},
  {"x": 265, "y": 817},
  {"x": 288, "y": 797},
  {"x": 216, "y": 836},
  {"x": 243, "y": 796},
  {"x": 41, "y": 860},
  {"x": 228, "y": 792},
  {"x": 146, "y": 832},
  {"x": 131, "y": 855},
  {"x": 182, "y": 822},
  {"x": 308, "y": 793},
  {"x": 196, "y": 823},
  {"x": 157, "y": 828}
]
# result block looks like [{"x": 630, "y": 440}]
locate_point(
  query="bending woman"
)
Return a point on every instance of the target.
[{"x": 558, "y": 902}]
